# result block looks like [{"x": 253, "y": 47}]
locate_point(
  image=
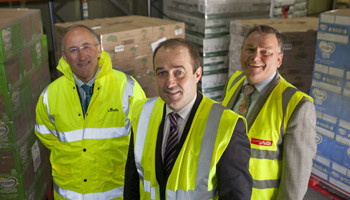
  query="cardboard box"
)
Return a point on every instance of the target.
[
  {"x": 17, "y": 67},
  {"x": 299, "y": 37},
  {"x": 18, "y": 28},
  {"x": 141, "y": 69},
  {"x": 23, "y": 168},
  {"x": 130, "y": 42},
  {"x": 127, "y": 30}
]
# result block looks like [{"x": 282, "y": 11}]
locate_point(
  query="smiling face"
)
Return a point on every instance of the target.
[
  {"x": 260, "y": 57},
  {"x": 81, "y": 53},
  {"x": 175, "y": 80}
]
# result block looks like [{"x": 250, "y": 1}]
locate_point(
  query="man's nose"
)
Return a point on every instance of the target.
[
  {"x": 170, "y": 81},
  {"x": 256, "y": 55},
  {"x": 81, "y": 53}
]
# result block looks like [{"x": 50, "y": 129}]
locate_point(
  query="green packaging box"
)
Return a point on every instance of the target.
[
  {"x": 22, "y": 169},
  {"x": 18, "y": 27}
]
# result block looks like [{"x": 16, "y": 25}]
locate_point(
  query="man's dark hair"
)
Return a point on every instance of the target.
[
  {"x": 69, "y": 28},
  {"x": 269, "y": 30},
  {"x": 180, "y": 42}
]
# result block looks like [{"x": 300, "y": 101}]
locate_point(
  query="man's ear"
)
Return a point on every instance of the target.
[
  {"x": 279, "y": 59},
  {"x": 99, "y": 50},
  {"x": 198, "y": 74},
  {"x": 64, "y": 56}
]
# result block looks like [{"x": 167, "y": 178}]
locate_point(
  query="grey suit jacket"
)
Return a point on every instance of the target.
[{"x": 299, "y": 144}]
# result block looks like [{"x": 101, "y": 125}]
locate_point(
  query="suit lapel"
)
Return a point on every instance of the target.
[
  {"x": 261, "y": 101},
  {"x": 160, "y": 174}
]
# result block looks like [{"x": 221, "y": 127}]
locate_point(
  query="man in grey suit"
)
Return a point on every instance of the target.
[{"x": 281, "y": 119}]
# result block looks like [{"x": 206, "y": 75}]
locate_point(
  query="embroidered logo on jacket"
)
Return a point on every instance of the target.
[
  {"x": 261, "y": 142},
  {"x": 112, "y": 110}
]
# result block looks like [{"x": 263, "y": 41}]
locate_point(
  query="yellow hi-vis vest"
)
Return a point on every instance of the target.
[
  {"x": 266, "y": 134},
  {"x": 88, "y": 153},
  {"x": 194, "y": 173}
]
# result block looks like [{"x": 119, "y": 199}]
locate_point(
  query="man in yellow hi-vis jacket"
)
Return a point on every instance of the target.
[
  {"x": 281, "y": 119},
  {"x": 185, "y": 145},
  {"x": 83, "y": 117}
]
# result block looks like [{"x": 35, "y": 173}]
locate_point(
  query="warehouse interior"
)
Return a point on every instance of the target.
[{"x": 216, "y": 27}]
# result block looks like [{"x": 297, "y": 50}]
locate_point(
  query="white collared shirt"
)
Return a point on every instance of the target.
[
  {"x": 181, "y": 122},
  {"x": 80, "y": 83}
]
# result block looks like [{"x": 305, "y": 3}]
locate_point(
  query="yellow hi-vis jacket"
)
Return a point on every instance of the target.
[
  {"x": 194, "y": 173},
  {"x": 88, "y": 154},
  {"x": 266, "y": 134}
]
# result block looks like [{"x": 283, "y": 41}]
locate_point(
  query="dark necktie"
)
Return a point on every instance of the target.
[
  {"x": 243, "y": 107},
  {"x": 172, "y": 143},
  {"x": 86, "y": 101}
]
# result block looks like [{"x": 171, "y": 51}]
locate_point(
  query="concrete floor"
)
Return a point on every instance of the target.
[{"x": 312, "y": 194}]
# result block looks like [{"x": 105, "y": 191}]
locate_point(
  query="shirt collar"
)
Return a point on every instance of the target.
[
  {"x": 185, "y": 111},
  {"x": 80, "y": 83},
  {"x": 263, "y": 84}
]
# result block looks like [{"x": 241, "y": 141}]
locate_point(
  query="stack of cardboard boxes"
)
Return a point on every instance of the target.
[
  {"x": 299, "y": 37},
  {"x": 331, "y": 92},
  {"x": 130, "y": 41},
  {"x": 24, "y": 73},
  {"x": 207, "y": 26},
  {"x": 288, "y": 8}
]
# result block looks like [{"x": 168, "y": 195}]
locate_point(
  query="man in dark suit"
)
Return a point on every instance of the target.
[
  {"x": 281, "y": 119},
  {"x": 185, "y": 145}
]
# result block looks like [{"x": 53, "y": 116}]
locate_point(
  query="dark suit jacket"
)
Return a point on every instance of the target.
[{"x": 234, "y": 179}]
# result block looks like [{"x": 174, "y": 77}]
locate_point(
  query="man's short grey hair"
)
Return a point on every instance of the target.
[
  {"x": 268, "y": 30},
  {"x": 69, "y": 28}
]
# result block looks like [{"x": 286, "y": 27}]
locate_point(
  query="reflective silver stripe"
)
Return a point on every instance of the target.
[
  {"x": 147, "y": 188},
  {"x": 42, "y": 129},
  {"x": 46, "y": 102},
  {"x": 266, "y": 184},
  {"x": 204, "y": 160},
  {"x": 274, "y": 155},
  {"x": 92, "y": 133},
  {"x": 192, "y": 195},
  {"x": 68, "y": 194},
  {"x": 286, "y": 96},
  {"x": 265, "y": 154},
  {"x": 236, "y": 80},
  {"x": 128, "y": 92},
  {"x": 141, "y": 133}
]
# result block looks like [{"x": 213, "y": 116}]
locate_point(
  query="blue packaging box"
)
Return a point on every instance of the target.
[
  {"x": 333, "y": 39},
  {"x": 330, "y": 149}
]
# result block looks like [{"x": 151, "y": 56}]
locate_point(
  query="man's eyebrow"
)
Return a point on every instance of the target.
[
  {"x": 178, "y": 66},
  {"x": 159, "y": 68}
]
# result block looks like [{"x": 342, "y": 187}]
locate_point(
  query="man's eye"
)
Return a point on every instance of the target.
[
  {"x": 73, "y": 50},
  {"x": 161, "y": 73},
  {"x": 179, "y": 72},
  {"x": 249, "y": 50},
  {"x": 86, "y": 47},
  {"x": 266, "y": 52}
]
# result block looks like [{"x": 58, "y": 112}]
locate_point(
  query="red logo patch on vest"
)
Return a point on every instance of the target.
[{"x": 261, "y": 142}]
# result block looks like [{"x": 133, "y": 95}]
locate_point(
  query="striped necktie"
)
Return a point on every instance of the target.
[
  {"x": 171, "y": 144},
  {"x": 86, "y": 101},
  {"x": 245, "y": 103}
]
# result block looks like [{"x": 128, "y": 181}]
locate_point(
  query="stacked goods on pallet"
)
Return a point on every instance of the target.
[
  {"x": 288, "y": 8},
  {"x": 207, "y": 26},
  {"x": 299, "y": 37},
  {"x": 24, "y": 73},
  {"x": 130, "y": 41},
  {"x": 340, "y": 4},
  {"x": 331, "y": 91}
]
